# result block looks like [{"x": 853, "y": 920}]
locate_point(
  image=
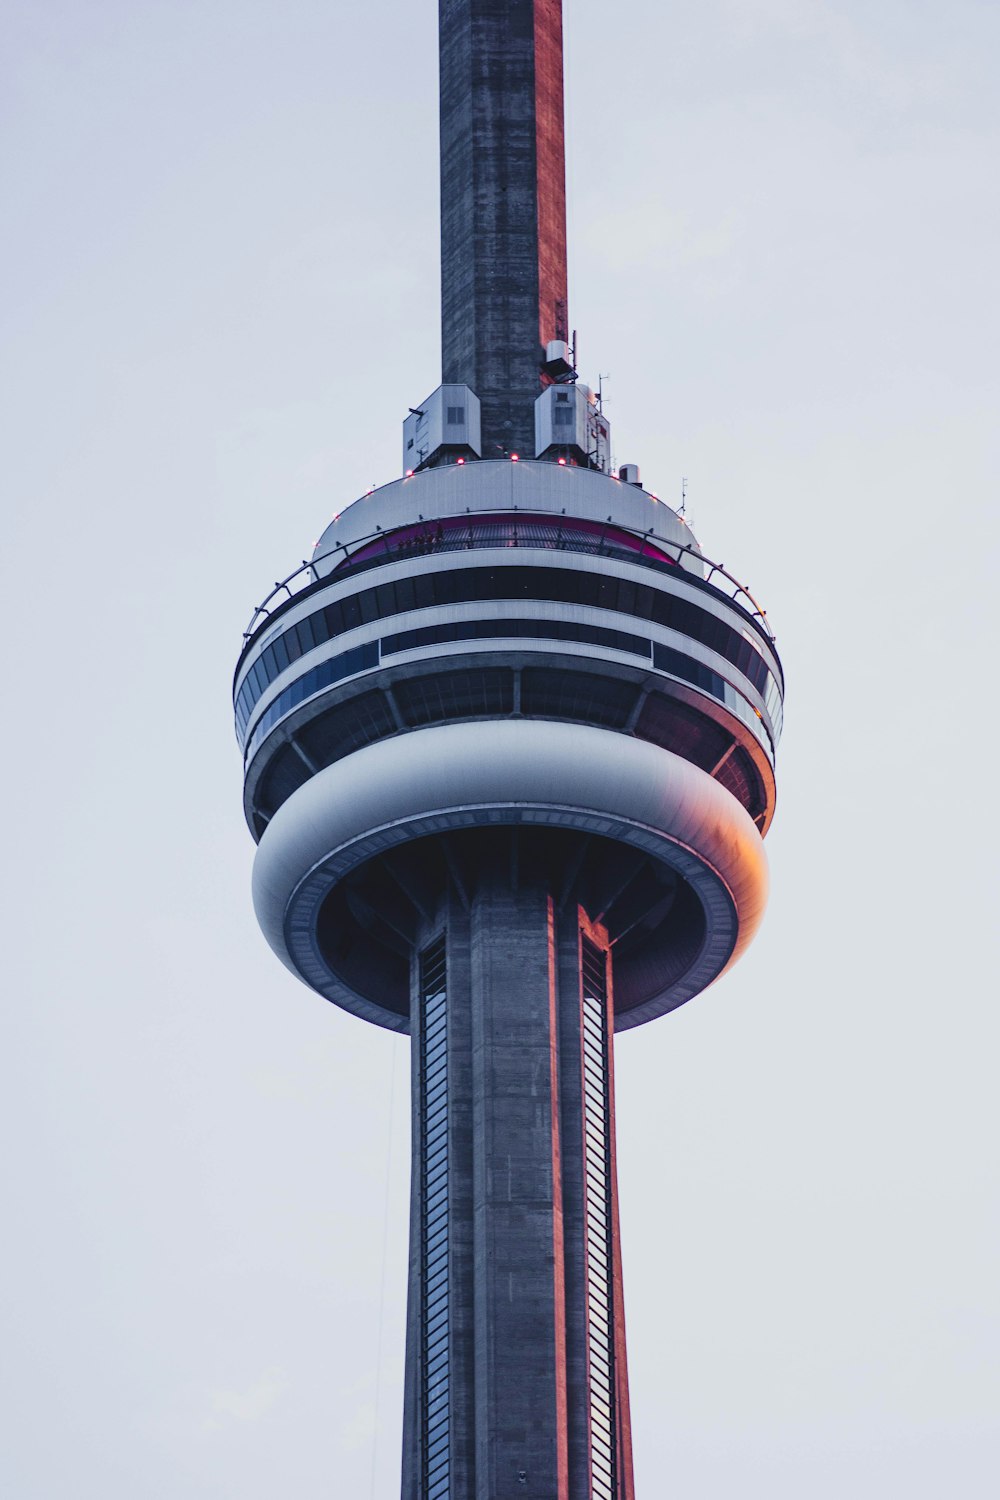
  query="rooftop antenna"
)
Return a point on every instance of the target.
[{"x": 684, "y": 497}]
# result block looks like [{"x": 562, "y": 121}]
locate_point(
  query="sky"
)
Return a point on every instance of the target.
[{"x": 220, "y": 267}]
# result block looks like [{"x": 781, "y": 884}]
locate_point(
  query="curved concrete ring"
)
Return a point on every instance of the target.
[{"x": 511, "y": 771}]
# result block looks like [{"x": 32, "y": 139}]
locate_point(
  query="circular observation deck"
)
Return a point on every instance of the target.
[{"x": 497, "y": 646}]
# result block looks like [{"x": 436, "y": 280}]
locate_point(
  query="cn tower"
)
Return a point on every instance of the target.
[{"x": 509, "y": 748}]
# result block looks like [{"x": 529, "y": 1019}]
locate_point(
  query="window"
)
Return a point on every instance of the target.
[
  {"x": 435, "y": 1413},
  {"x": 622, "y": 596},
  {"x": 360, "y": 659},
  {"x": 456, "y": 416},
  {"x": 599, "y": 1219},
  {"x": 544, "y": 630}
]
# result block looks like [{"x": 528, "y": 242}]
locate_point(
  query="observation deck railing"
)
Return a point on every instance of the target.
[{"x": 306, "y": 578}]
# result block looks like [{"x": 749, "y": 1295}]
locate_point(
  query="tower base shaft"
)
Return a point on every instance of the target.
[{"x": 516, "y": 1375}]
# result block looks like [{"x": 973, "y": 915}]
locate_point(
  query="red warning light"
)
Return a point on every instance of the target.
[
  {"x": 514, "y": 458},
  {"x": 460, "y": 460},
  {"x": 562, "y": 463},
  {"x": 409, "y": 473}
]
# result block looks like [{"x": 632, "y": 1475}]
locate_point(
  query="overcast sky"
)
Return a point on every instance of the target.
[{"x": 219, "y": 266}]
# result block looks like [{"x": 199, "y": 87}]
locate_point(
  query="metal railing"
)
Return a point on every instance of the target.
[{"x": 306, "y": 576}]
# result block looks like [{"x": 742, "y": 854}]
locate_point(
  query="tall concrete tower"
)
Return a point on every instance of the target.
[{"x": 509, "y": 747}]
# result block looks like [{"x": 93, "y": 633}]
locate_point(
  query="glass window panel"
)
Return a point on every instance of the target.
[
  {"x": 384, "y": 601},
  {"x": 306, "y": 633},
  {"x": 437, "y": 1361},
  {"x": 438, "y": 1297},
  {"x": 600, "y": 1338},
  {"x": 600, "y": 1365},
  {"x": 437, "y": 1304},
  {"x": 405, "y": 594},
  {"x": 343, "y": 615},
  {"x": 436, "y": 1278},
  {"x": 597, "y": 1286},
  {"x": 434, "y": 1071}
]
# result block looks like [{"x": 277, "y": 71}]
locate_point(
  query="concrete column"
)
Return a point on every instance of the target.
[
  {"x": 503, "y": 206},
  {"x": 520, "y": 1350},
  {"x": 519, "y": 1400}
]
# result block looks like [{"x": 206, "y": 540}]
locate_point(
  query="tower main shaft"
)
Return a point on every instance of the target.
[
  {"x": 503, "y": 207},
  {"x": 516, "y": 1376}
]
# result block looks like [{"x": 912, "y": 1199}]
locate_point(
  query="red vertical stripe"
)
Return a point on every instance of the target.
[{"x": 553, "y": 316}]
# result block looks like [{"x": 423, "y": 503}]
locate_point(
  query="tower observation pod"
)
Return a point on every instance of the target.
[{"x": 509, "y": 746}]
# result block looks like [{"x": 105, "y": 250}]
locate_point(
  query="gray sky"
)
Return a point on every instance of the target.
[{"x": 220, "y": 266}]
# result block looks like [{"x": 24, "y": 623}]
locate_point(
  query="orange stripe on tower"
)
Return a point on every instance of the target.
[
  {"x": 553, "y": 316},
  {"x": 558, "y": 1224}
]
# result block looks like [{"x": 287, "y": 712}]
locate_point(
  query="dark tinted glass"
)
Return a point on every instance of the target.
[{"x": 624, "y": 596}]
